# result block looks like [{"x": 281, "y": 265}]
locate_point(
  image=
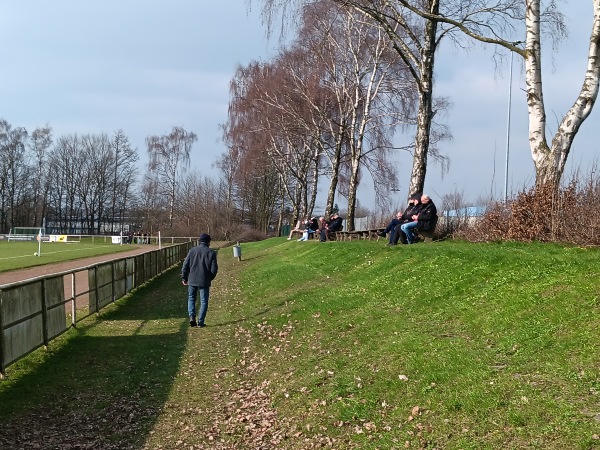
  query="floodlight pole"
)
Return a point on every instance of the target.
[
  {"x": 508, "y": 129},
  {"x": 508, "y": 122}
]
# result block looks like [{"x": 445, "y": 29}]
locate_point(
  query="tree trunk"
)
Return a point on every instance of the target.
[
  {"x": 550, "y": 161},
  {"x": 335, "y": 170},
  {"x": 425, "y": 114},
  {"x": 354, "y": 178}
]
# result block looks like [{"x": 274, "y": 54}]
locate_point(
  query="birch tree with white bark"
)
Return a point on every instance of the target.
[
  {"x": 415, "y": 40},
  {"x": 532, "y": 21},
  {"x": 370, "y": 96}
]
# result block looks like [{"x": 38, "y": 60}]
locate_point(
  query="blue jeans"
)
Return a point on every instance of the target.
[
  {"x": 192, "y": 294},
  {"x": 408, "y": 231},
  {"x": 306, "y": 235},
  {"x": 391, "y": 228}
]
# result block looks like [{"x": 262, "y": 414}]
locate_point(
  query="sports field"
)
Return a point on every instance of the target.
[{"x": 19, "y": 255}]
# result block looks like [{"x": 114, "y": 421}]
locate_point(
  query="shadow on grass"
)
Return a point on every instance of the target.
[
  {"x": 262, "y": 312},
  {"x": 104, "y": 384}
]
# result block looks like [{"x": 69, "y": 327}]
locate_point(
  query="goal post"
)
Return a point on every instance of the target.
[{"x": 25, "y": 233}]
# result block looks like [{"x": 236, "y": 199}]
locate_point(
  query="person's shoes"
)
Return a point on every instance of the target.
[
  {"x": 201, "y": 325},
  {"x": 417, "y": 239},
  {"x": 391, "y": 243},
  {"x": 289, "y": 239},
  {"x": 193, "y": 323},
  {"x": 380, "y": 234}
]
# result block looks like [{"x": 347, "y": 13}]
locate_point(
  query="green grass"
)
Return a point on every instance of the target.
[
  {"x": 19, "y": 255},
  {"x": 348, "y": 344}
]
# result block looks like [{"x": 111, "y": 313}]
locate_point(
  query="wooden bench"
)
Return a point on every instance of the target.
[
  {"x": 357, "y": 234},
  {"x": 426, "y": 235},
  {"x": 375, "y": 232}
]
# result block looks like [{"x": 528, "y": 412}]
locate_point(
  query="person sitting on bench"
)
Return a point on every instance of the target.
[
  {"x": 297, "y": 229},
  {"x": 310, "y": 227},
  {"x": 394, "y": 227},
  {"x": 336, "y": 223},
  {"x": 425, "y": 220}
]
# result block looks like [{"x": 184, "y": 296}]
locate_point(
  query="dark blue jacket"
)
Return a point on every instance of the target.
[
  {"x": 200, "y": 266},
  {"x": 336, "y": 224},
  {"x": 427, "y": 216}
]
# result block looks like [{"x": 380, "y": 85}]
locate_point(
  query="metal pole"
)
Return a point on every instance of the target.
[{"x": 508, "y": 128}]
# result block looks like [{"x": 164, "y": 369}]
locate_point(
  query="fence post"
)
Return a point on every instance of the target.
[
  {"x": 73, "y": 300},
  {"x": 45, "y": 314},
  {"x": 2, "y": 368},
  {"x": 112, "y": 280},
  {"x": 133, "y": 277},
  {"x": 96, "y": 289}
]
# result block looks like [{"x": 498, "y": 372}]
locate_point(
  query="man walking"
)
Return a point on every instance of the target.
[{"x": 199, "y": 269}]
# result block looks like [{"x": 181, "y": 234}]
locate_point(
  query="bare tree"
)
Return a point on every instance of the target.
[
  {"x": 267, "y": 125},
  {"x": 415, "y": 40},
  {"x": 124, "y": 172},
  {"x": 339, "y": 92},
  {"x": 13, "y": 171},
  {"x": 366, "y": 96},
  {"x": 66, "y": 174},
  {"x": 379, "y": 98},
  {"x": 169, "y": 155},
  {"x": 39, "y": 144},
  {"x": 96, "y": 188},
  {"x": 152, "y": 207},
  {"x": 195, "y": 206}
]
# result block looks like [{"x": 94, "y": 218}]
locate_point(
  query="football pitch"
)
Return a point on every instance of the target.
[{"x": 19, "y": 255}]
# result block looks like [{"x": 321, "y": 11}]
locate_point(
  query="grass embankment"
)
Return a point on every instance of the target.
[
  {"x": 20, "y": 255},
  {"x": 342, "y": 345}
]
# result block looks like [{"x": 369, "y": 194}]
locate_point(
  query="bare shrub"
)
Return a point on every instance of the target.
[
  {"x": 569, "y": 215},
  {"x": 248, "y": 234},
  {"x": 453, "y": 215},
  {"x": 492, "y": 226}
]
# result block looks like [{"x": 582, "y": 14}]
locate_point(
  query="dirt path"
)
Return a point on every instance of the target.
[{"x": 32, "y": 272}]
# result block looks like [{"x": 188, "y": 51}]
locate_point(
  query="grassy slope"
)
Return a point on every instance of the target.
[
  {"x": 348, "y": 345},
  {"x": 450, "y": 345}
]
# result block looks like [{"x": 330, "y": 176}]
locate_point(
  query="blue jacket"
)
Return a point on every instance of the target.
[
  {"x": 336, "y": 224},
  {"x": 200, "y": 266},
  {"x": 427, "y": 216}
]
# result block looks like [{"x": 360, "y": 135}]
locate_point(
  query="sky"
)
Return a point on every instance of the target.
[{"x": 147, "y": 66}]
